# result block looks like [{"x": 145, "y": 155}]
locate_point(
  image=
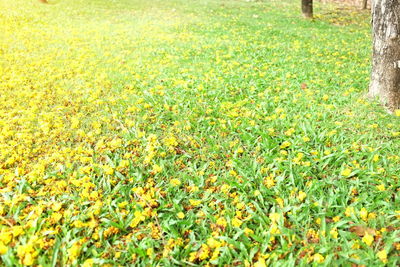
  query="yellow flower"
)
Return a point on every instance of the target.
[
  {"x": 280, "y": 201},
  {"x": 204, "y": 252},
  {"x": 274, "y": 229},
  {"x": 213, "y": 243},
  {"x": 334, "y": 233},
  {"x": 356, "y": 245},
  {"x": 156, "y": 169},
  {"x": 5, "y": 237},
  {"x": 28, "y": 259},
  {"x": 274, "y": 217},
  {"x": 368, "y": 239},
  {"x": 175, "y": 182},
  {"x": 222, "y": 222},
  {"x": 150, "y": 252},
  {"x": 346, "y": 172},
  {"x": 382, "y": 255},
  {"x": 194, "y": 202},
  {"x": 349, "y": 211},
  {"x": 318, "y": 258},
  {"x": 260, "y": 263},
  {"x": 397, "y": 112},
  {"x": 240, "y": 150},
  {"x": 180, "y": 215},
  {"x": 74, "y": 251},
  {"x": 364, "y": 214},
  {"x": 301, "y": 196},
  {"x": 3, "y": 248},
  {"x": 123, "y": 204},
  {"x": 248, "y": 231},
  {"x": 56, "y": 206},
  {"x": 285, "y": 144},
  {"x": 236, "y": 222},
  {"x": 138, "y": 217},
  {"x": 215, "y": 254},
  {"x": 381, "y": 187},
  {"x": 88, "y": 263}
]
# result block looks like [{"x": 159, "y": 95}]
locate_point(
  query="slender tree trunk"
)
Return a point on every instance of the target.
[
  {"x": 385, "y": 77},
  {"x": 307, "y": 8},
  {"x": 365, "y": 4}
]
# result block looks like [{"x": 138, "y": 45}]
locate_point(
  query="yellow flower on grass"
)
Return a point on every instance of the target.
[
  {"x": 123, "y": 204},
  {"x": 5, "y": 237},
  {"x": 222, "y": 222},
  {"x": 346, "y": 172},
  {"x": 280, "y": 201},
  {"x": 204, "y": 252},
  {"x": 334, "y": 233},
  {"x": 175, "y": 182},
  {"x": 150, "y": 252},
  {"x": 274, "y": 217},
  {"x": 368, "y": 239},
  {"x": 213, "y": 243},
  {"x": 240, "y": 150},
  {"x": 364, "y": 214},
  {"x": 28, "y": 259},
  {"x": 3, "y": 248},
  {"x": 156, "y": 169},
  {"x": 318, "y": 258},
  {"x": 215, "y": 254},
  {"x": 349, "y": 211},
  {"x": 88, "y": 263},
  {"x": 301, "y": 196},
  {"x": 236, "y": 222},
  {"x": 381, "y": 187},
  {"x": 274, "y": 229},
  {"x": 382, "y": 255},
  {"x": 180, "y": 215},
  {"x": 248, "y": 231},
  {"x": 260, "y": 263},
  {"x": 108, "y": 169},
  {"x": 74, "y": 251},
  {"x": 138, "y": 217},
  {"x": 285, "y": 144},
  {"x": 397, "y": 112},
  {"x": 194, "y": 202},
  {"x": 56, "y": 206}
]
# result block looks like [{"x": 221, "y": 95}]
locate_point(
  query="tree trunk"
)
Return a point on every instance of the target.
[
  {"x": 365, "y": 4},
  {"x": 307, "y": 8},
  {"x": 385, "y": 76}
]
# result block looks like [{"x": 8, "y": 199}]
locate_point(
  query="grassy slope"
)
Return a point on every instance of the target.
[{"x": 116, "y": 116}]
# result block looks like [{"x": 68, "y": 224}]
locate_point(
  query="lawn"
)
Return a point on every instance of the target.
[{"x": 182, "y": 132}]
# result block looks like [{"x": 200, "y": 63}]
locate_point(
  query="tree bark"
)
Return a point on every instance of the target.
[
  {"x": 365, "y": 4},
  {"x": 307, "y": 8},
  {"x": 385, "y": 76}
]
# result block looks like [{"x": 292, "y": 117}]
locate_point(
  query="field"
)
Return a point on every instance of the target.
[{"x": 182, "y": 132}]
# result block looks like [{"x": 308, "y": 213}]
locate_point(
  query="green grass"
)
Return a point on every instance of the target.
[{"x": 191, "y": 133}]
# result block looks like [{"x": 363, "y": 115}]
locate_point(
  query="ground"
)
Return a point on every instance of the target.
[{"x": 182, "y": 132}]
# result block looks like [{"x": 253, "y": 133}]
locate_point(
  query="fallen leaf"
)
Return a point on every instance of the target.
[{"x": 362, "y": 230}]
